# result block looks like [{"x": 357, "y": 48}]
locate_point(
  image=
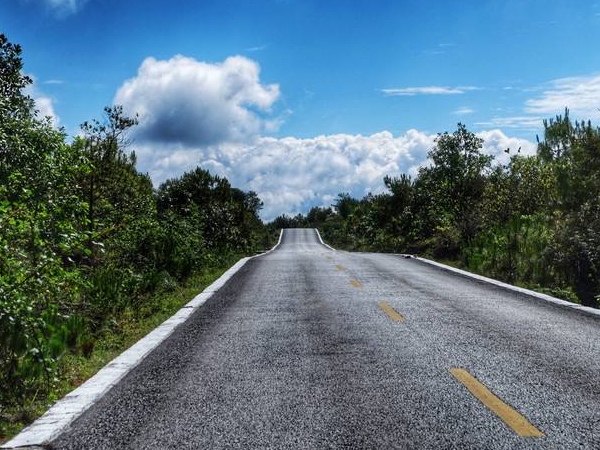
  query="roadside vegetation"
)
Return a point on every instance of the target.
[
  {"x": 91, "y": 255},
  {"x": 534, "y": 221}
]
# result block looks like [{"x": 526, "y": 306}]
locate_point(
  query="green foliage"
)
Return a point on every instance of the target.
[
  {"x": 514, "y": 251},
  {"x": 573, "y": 153},
  {"x": 85, "y": 239},
  {"x": 41, "y": 219},
  {"x": 452, "y": 187},
  {"x": 227, "y": 217}
]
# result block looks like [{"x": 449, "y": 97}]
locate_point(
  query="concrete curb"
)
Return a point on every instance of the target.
[
  {"x": 510, "y": 287},
  {"x": 65, "y": 411},
  {"x": 320, "y": 239}
]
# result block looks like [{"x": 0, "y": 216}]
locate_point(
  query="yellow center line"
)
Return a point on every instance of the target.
[
  {"x": 391, "y": 312},
  {"x": 510, "y": 416},
  {"x": 354, "y": 282},
  {"x": 339, "y": 267}
]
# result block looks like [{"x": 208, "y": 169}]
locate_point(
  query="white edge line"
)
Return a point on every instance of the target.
[
  {"x": 56, "y": 420},
  {"x": 320, "y": 239},
  {"x": 510, "y": 287}
]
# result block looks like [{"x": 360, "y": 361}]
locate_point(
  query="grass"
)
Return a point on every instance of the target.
[{"x": 118, "y": 335}]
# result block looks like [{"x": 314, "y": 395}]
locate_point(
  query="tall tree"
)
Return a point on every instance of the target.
[
  {"x": 455, "y": 181},
  {"x": 573, "y": 152}
]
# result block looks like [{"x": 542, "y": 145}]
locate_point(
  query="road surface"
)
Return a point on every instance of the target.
[{"x": 306, "y": 347}]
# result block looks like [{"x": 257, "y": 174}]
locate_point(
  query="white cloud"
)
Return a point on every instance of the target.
[
  {"x": 464, "y": 111},
  {"x": 257, "y": 48},
  {"x": 291, "y": 174},
  {"x": 45, "y": 108},
  {"x": 496, "y": 142},
  {"x": 53, "y": 82},
  {"x": 580, "y": 94},
  {"x": 427, "y": 90},
  {"x": 434, "y": 52},
  {"x": 214, "y": 116},
  {"x": 65, "y": 7},
  {"x": 44, "y": 105},
  {"x": 532, "y": 123},
  {"x": 182, "y": 100}
]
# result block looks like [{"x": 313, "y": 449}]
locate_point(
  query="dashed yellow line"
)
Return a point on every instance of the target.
[
  {"x": 391, "y": 312},
  {"x": 511, "y": 417},
  {"x": 354, "y": 282},
  {"x": 339, "y": 267}
]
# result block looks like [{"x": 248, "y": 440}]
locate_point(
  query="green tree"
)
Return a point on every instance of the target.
[
  {"x": 450, "y": 189},
  {"x": 114, "y": 190},
  {"x": 229, "y": 216},
  {"x": 41, "y": 223},
  {"x": 573, "y": 153}
]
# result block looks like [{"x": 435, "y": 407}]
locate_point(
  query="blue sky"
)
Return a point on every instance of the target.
[{"x": 314, "y": 82}]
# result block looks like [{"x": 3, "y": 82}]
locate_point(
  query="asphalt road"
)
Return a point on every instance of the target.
[{"x": 297, "y": 351}]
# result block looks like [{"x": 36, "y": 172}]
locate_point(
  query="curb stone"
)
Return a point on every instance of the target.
[{"x": 59, "y": 417}]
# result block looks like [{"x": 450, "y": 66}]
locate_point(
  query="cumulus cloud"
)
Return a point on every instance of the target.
[
  {"x": 495, "y": 142},
  {"x": 580, "y": 94},
  {"x": 427, "y": 90},
  {"x": 291, "y": 174},
  {"x": 44, "y": 105},
  {"x": 195, "y": 103},
  {"x": 45, "y": 108},
  {"x": 216, "y": 115}
]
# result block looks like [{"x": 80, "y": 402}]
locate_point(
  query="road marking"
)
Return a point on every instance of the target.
[
  {"x": 510, "y": 416},
  {"x": 391, "y": 312},
  {"x": 354, "y": 282},
  {"x": 339, "y": 267},
  {"x": 323, "y": 243}
]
